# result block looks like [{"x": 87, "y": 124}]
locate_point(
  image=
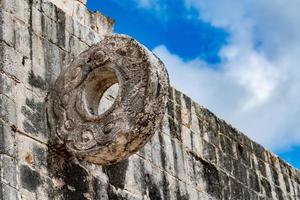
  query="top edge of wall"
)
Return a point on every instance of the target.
[{"x": 78, "y": 11}]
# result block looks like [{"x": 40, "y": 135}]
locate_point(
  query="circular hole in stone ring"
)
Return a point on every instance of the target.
[{"x": 101, "y": 91}]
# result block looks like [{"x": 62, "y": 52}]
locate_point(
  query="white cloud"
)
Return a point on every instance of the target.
[
  {"x": 257, "y": 85},
  {"x": 144, "y": 3},
  {"x": 154, "y": 5}
]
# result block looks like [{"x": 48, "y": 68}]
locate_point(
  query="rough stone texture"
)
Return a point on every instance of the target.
[
  {"x": 134, "y": 116},
  {"x": 193, "y": 155}
]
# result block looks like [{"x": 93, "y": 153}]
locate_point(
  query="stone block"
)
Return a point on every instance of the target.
[
  {"x": 47, "y": 62},
  {"x": 7, "y": 139},
  {"x": 177, "y": 97},
  {"x": 236, "y": 190},
  {"x": 171, "y": 191},
  {"x": 171, "y": 109},
  {"x": 32, "y": 153},
  {"x": 79, "y": 30},
  {"x": 146, "y": 151},
  {"x": 13, "y": 63},
  {"x": 225, "y": 162},
  {"x": 177, "y": 109},
  {"x": 194, "y": 120},
  {"x": 250, "y": 195},
  {"x": 79, "y": 12},
  {"x": 171, "y": 93},
  {"x": 19, "y": 8},
  {"x": 279, "y": 194},
  {"x": 65, "y": 58},
  {"x": 32, "y": 119},
  {"x": 88, "y": 22},
  {"x": 259, "y": 151},
  {"x": 193, "y": 173},
  {"x": 37, "y": 74},
  {"x": 8, "y": 170},
  {"x": 30, "y": 183},
  {"x": 77, "y": 46},
  {"x": 167, "y": 155},
  {"x": 164, "y": 125},
  {"x": 179, "y": 160},
  {"x": 240, "y": 171},
  {"x": 8, "y": 193},
  {"x": 85, "y": 34},
  {"x": 63, "y": 36},
  {"x": 191, "y": 193},
  {"x": 7, "y": 109},
  {"x": 156, "y": 184},
  {"x": 6, "y": 86},
  {"x": 156, "y": 151},
  {"x": 182, "y": 191},
  {"x": 196, "y": 141},
  {"x": 6, "y": 28},
  {"x": 209, "y": 152},
  {"x": 224, "y": 185},
  {"x": 69, "y": 24},
  {"x": 186, "y": 111},
  {"x": 266, "y": 188},
  {"x": 261, "y": 167},
  {"x": 243, "y": 154},
  {"x": 101, "y": 185},
  {"x": 226, "y": 145},
  {"x": 253, "y": 181},
  {"x": 92, "y": 37},
  {"x": 101, "y": 24},
  {"x": 49, "y": 55},
  {"x": 68, "y": 7},
  {"x": 36, "y": 22},
  {"x": 186, "y": 137},
  {"x": 211, "y": 179},
  {"x": 285, "y": 168},
  {"x": 49, "y": 29},
  {"x": 37, "y": 4},
  {"x": 275, "y": 175},
  {"x": 49, "y": 10},
  {"x": 211, "y": 135},
  {"x": 141, "y": 178},
  {"x": 175, "y": 129},
  {"x": 22, "y": 39}
]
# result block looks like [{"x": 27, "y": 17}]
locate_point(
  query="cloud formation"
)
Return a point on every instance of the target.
[
  {"x": 256, "y": 87},
  {"x": 150, "y": 4}
]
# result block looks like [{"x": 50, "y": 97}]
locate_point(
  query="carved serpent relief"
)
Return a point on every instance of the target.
[{"x": 134, "y": 116}]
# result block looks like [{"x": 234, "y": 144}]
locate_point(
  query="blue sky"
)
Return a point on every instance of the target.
[
  {"x": 182, "y": 35},
  {"x": 229, "y": 56}
]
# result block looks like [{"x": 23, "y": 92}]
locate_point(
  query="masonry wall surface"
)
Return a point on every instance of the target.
[{"x": 194, "y": 155}]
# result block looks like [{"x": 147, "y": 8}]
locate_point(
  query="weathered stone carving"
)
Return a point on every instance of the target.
[{"x": 73, "y": 104}]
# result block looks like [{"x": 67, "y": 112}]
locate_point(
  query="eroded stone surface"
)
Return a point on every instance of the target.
[
  {"x": 194, "y": 155},
  {"x": 135, "y": 114}
]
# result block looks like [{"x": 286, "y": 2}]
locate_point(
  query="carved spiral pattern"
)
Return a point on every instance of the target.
[{"x": 106, "y": 138}]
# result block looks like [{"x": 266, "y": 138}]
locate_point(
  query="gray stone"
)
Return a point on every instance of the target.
[
  {"x": 22, "y": 39},
  {"x": 7, "y": 139},
  {"x": 7, "y": 109},
  {"x": 19, "y": 8},
  {"x": 7, "y": 28},
  {"x": 134, "y": 116},
  {"x": 7, "y": 192},
  {"x": 192, "y": 155},
  {"x": 8, "y": 170}
]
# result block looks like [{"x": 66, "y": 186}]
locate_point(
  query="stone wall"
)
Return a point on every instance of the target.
[{"x": 194, "y": 155}]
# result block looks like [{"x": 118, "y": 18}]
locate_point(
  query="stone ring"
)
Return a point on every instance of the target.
[{"x": 108, "y": 102}]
